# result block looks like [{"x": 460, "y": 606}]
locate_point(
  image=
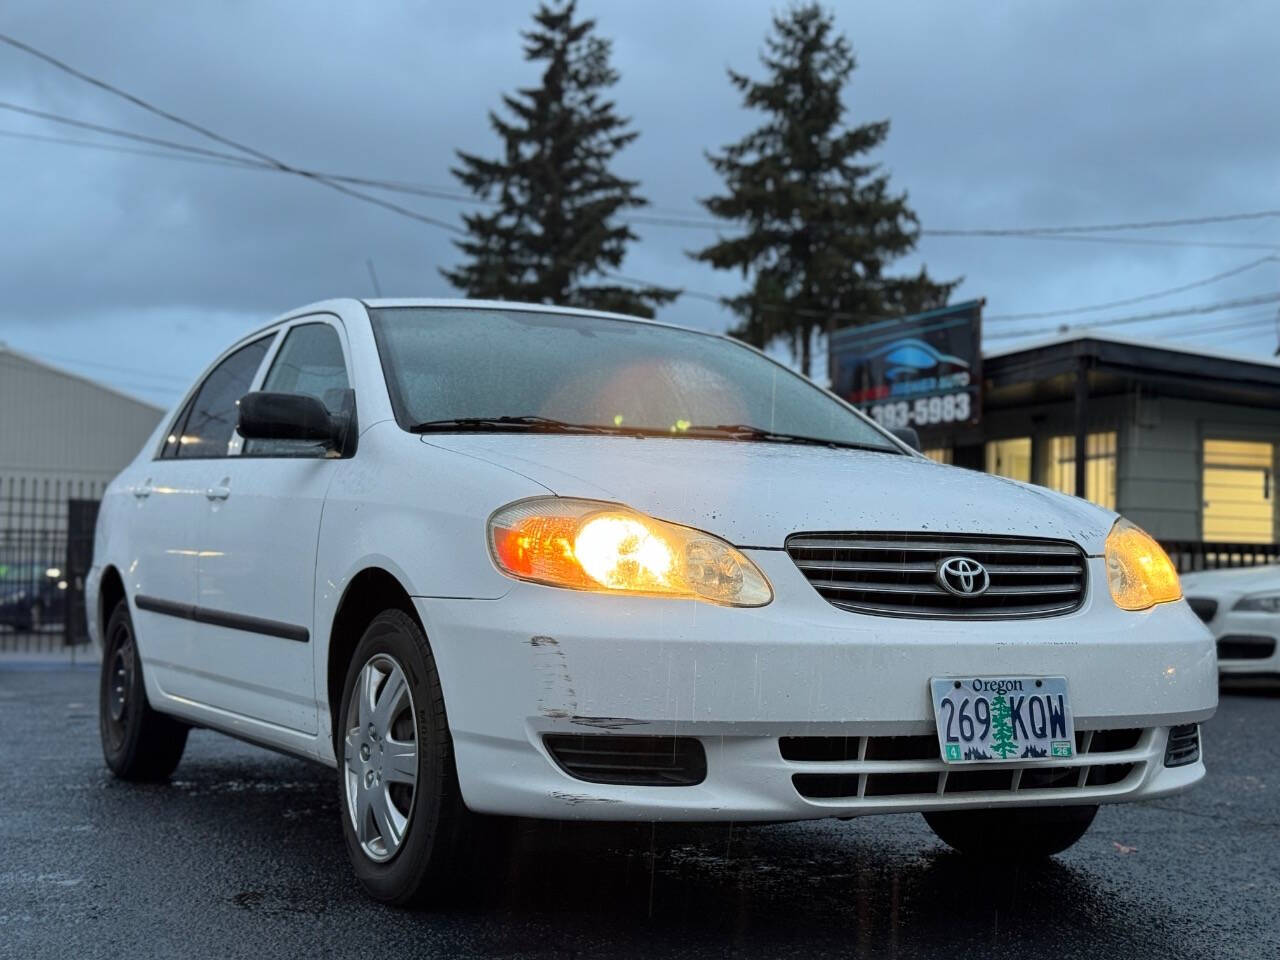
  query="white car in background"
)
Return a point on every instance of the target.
[
  {"x": 486, "y": 558},
  {"x": 1242, "y": 608}
]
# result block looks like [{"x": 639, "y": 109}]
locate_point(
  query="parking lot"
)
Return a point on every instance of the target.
[{"x": 241, "y": 855}]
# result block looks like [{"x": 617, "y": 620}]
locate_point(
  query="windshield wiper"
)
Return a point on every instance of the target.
[
  {"x": 521, "y": 424},
  {"x": 535, "y": 424},
  {"x": 747, "y": 431}
]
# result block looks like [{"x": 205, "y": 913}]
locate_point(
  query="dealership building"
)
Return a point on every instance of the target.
[{"x": 1181, "y": 440}]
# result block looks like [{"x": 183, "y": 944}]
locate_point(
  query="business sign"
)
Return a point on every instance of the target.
[{"x": 920, "y": 371}]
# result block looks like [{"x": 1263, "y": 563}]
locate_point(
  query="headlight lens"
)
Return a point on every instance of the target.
[
  {"x": 1139, "y": 572},
  {"x": 589, "y": 545},
  {"x": 1259, "y": 603}
]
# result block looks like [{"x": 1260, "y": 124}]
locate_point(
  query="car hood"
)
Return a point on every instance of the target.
[
  {"x": 757, "y": 494},
  {"x": 1208, "y": 583}
]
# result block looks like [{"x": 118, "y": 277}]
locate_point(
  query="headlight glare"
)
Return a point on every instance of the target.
[
  {"x": 587, "y": 545},
  {"x": 1139, "y": 572}
]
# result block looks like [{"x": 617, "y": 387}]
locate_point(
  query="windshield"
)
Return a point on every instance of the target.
[{"x": 451, "y": 363}]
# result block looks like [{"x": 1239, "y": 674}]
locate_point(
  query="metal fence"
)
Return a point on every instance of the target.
[
  {"x": 46, "y": 548},
  {"x": 1189, "y": 555}
]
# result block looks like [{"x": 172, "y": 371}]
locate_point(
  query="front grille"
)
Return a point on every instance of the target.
[
  {"x": 1237, "y": 646},
  {"x": 1184, "y": 745},
  {"x": 630, "y": 761},
  {"x": 1205, "y": 608},
  {"x": 921, "y": 773},
  {"x": 896, "y": 574}
]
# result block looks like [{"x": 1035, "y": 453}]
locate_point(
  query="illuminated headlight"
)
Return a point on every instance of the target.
[
  {"x": 1139, "y": 572},
  {"x": 589, "y": 545},
  {"x": 1259, "y": 603}
]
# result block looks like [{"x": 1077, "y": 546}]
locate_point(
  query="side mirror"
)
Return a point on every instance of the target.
[
  {"x": 908, "y": 436},
  {"x": 288, "y": 416}
]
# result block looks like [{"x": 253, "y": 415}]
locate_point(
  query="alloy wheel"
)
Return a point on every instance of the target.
[{"x": 381, "y": 757}]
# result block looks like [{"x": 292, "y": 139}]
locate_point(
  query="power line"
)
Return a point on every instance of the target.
[
  {"x": 227, "y": 141},
  {"x": 1065, "y": 234},
  {"x": 1044, "y": 315},
  {"x": 430, "y": 191},
  {"x": 1257, "y": 321},
  {"x": 116, "y": 148},
  {"x": 437, "y": 193},
  {"x": 115, "y": 132},
  {"x": 331, "y": 181},
  {"x": 1126, "y": 241},
  {"x": 688, "y": 219},
  {"x": 1111, "y": 227},
  {"x": 135, "y": 371},
  {"x": 1255, "y": 300}
]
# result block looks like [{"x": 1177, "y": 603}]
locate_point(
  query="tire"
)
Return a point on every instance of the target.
[
  {"x": 137, "y": 742},
  {"x": 1019, "y": 834},
  {"x": 406, "y": 840}
]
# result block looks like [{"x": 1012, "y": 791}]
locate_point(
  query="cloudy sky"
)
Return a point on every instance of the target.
[{"x": 137, "y": 269}]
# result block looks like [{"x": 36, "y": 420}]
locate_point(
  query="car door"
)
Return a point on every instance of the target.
[
  {"x": 256, "y": 580},
  {"x": 169, "y": 507}
]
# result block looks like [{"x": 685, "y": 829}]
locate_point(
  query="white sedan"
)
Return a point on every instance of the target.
[
  {"x": 1242, "y": 608},
  {"x": 485, "y": 558}
]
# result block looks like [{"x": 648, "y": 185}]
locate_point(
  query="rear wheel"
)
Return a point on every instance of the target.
[
  {"x": 403, "y": 818},
  {"x": 137, "y": 742},
  {"x": 1012, "y": 833}
]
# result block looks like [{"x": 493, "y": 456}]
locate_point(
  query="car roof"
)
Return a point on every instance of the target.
[
  {"x": 336, "y": 305},
  {"x": 458, "y": 303}
]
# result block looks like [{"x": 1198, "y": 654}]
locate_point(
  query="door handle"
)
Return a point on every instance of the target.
[
  {"x": 220, "y": 492},
  {"x": 144, "y": 490}
]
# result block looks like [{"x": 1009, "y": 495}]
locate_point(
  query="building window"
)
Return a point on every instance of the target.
[
  {"x": 1099, "y": 465},
  {"x": 1239, "y": 500},
  {"x": 1010, "y": 458},
  {"x": 940, "y": 454}
]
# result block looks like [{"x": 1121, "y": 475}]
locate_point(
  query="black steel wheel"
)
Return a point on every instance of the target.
[{"x": 137, "y": 742}]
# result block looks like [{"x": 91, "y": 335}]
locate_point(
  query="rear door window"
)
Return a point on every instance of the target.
[
  {"x": 173, "y": 439},
  {"x": 209, "y": 426}
]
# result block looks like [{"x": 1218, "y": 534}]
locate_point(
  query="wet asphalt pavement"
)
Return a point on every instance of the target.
[{"x": 241, "y": 856}]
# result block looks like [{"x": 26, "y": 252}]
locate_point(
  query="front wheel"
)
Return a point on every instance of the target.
[
  {"x": 1012, "y": 833},
  {"x": 137, "y": 742},
  {"x": 403, "y": 817}
]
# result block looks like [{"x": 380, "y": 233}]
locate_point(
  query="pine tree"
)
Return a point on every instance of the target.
[
  {"x": 1002, "y": 740},
  {"x": 821, "y": 223},
  {"x": 554, "y": 225}
]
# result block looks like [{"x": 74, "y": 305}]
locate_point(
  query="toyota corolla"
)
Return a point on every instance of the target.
[{"x": 491, "y": 559}]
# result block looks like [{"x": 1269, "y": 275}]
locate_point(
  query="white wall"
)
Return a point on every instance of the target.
[{"x": 61, "y": 436}]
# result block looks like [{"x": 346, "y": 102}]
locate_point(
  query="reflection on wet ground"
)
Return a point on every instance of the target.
[{"x": 241, "y": 856}]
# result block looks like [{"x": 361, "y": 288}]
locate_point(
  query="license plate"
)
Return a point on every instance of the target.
[{"x": 996, "y": 719}]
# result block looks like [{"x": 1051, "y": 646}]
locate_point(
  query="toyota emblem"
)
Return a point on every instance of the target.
[{"x": 963, "y": 577}]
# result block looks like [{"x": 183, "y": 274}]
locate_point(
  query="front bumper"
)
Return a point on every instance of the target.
[
  {"x": 542, "y": 660},
  {"x": 1230, "y": 626}
]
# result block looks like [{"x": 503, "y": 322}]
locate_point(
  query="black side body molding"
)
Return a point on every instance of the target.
[{"x": 220, "y": 618}]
